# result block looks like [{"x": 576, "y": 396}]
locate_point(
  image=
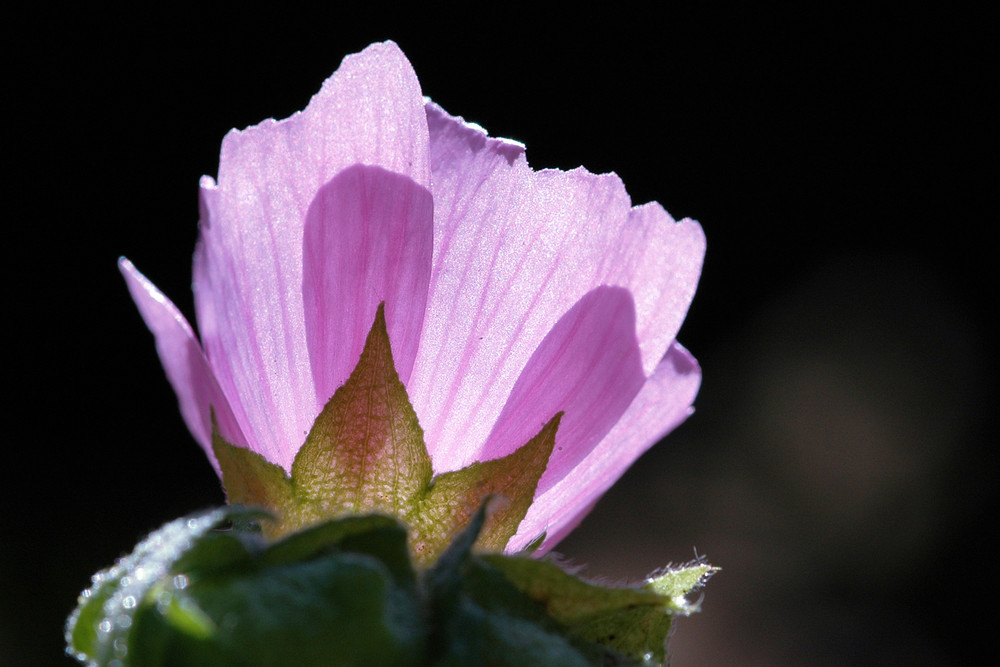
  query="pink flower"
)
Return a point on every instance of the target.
[{"x": 510, "y": 294}]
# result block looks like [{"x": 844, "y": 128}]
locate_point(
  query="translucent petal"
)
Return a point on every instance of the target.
[
  {"x": 514, "y": 250},
  {"x": 368, "y": 240},
  {"x": 248, "y": 269},
  {"x": 198, "y": 393},
  {"x": 662, "y": 404}
]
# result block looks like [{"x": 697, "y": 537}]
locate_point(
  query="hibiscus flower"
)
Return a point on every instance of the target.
[{"x": 510, "y": 294}]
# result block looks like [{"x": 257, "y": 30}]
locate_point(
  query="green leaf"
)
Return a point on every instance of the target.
[
  {"x": 190, "y": 594},
  {"x": 680, "y": 582},
  {"x": 345, "y": 592},
  {"x": 472, "y": 635},
  {"x": 633, "y": 621},
  {"x": 217, "y": 551},
  {"x": 378, "y": 536},
  {"x": 366, "y": 454},
  {"x": 340, "y": 609},
  {"x": 98, "y": 629},
  {"x": 182, "y": 613},
  {"x": 479, "y": 618}
]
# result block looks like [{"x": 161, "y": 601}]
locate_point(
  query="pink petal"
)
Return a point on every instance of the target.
[
  {"x": 662, "y": 404},
  {"x": 589, "y": 367},
  {"x": 368, "y": 239},
  {"x": 187, "y": 370},
  {"x": 513, "y": 251},
  {"x": 248, "y": 269}
]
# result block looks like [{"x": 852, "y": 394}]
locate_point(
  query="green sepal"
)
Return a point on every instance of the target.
[
  {"x": 366, "y": 454},
  {"x": 251, "y": 480},
  {"x": 454, "y": 497}
]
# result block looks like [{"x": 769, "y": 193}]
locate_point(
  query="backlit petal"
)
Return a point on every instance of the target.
[
  {"x": 587, "y": 367},
  {"x": 198, "y": 393},
  {"x": 248, "y": 273},
  {"x": 514, "y": 250},
  {"x": 662, "y": 404},
  {"x": 368, "y": 239}
]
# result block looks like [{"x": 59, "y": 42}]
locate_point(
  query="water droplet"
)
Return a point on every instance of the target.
[
  {"x": 163, "y": 599},
  {"x": 121, "y": 647},
  {"x": 104, "y": 627},
  {"x": 180, "y": 582},
  {"x": 124, "y": 621},
  {"x": 73, "y": 653},
  {"x": 129, "y": 602}
]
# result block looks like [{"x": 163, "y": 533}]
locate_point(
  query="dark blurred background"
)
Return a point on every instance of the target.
[{"x": 843, "y": 164}]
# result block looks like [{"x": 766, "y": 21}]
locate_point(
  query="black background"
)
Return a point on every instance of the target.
[{"x": 841, "y": 162}]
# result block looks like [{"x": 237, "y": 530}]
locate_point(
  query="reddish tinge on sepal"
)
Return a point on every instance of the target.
[{"x": 366, "y": 454}]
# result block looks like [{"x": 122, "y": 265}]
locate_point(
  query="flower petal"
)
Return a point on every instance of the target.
[
  {"x": 661, "y": 405},
  {"x": 513, "y": 251},
  {"x": 187, "y": 370},
  {"x": 248, "y": 269},
  {"x": 589, "y": 367},
  {"x": 368, "y": 239}
]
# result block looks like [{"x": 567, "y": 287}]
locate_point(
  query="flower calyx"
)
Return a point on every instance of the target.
[{"x": 366, "y": 454}]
